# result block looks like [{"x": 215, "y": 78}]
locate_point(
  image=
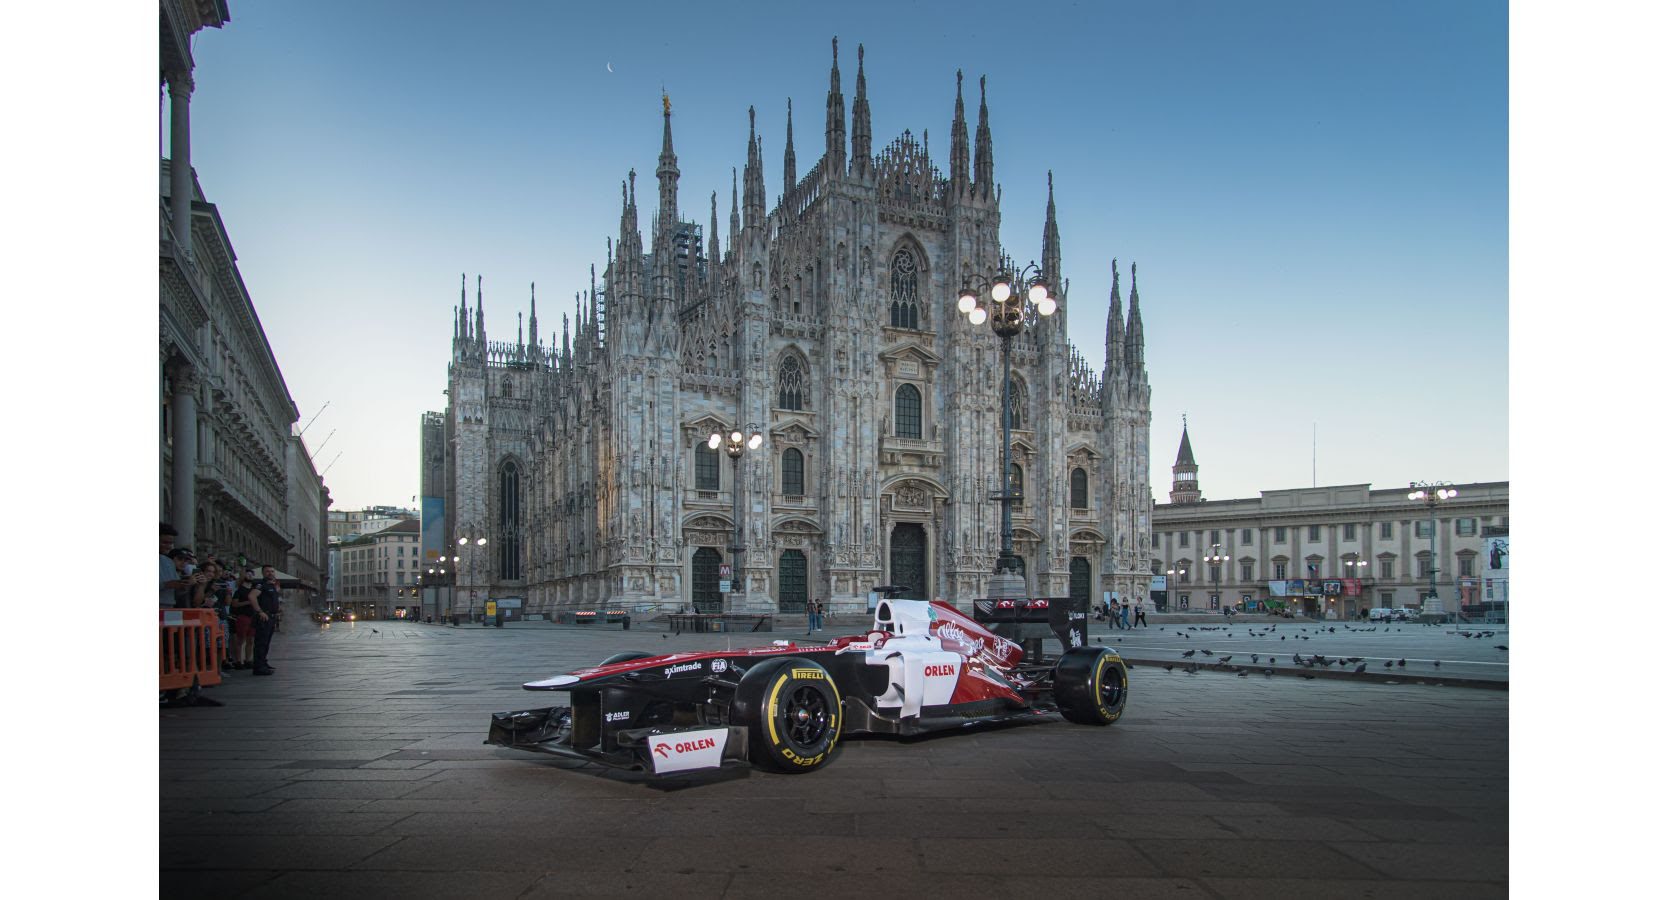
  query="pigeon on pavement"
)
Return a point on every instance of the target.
[
  {"x": 1188, "y": 653},
  {"x": 1500, "y": 646},
  {"x": 1401, "y": 662},
  {"x": 1360, "y": 668},
  {"x": 1308, "y": 677},
  {"x": 1168, "y": 668},
  {"x": 1207, "y": 653},
  {"x": 1226, "y": 659},
  {"x": 1388, "y": 663}
]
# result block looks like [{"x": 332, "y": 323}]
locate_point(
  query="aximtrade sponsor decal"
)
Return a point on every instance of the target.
[
  {"x": 682, "y": 667},
  {"x": 686, "y": 750}
]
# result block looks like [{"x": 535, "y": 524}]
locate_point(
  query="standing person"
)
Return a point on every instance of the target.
[
  {"x": 1123, "y": 614},
  {"x": 170, "y": 577},
  {"x": 245, "y": 606},
  {"x": 1140, "y": 614},
  {"x": 818, "y": 604},
  {"x": 810, "y": 617},
  {"x": 266, "y": 617}
]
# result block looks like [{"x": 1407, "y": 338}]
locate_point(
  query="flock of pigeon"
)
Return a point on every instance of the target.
[{"x": 1224, "y": 663}]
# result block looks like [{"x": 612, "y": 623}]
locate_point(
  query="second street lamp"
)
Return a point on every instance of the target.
[{"x": 1007, "y": 316}]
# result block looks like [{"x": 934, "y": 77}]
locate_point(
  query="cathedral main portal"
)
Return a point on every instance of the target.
[{"x": 909, "y": 560}]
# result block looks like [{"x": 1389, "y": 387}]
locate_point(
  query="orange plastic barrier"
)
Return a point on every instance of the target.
[{"x": 191, "y": 648}]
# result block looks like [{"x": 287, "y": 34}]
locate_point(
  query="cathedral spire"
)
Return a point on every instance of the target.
[
  {"x": 1051, "y": 244},
  {"x": 480, "y": 314},
  {"x": 712, "y": 250},
  {"x": 460, "y": 328},
  {"x": 518, "y": 341},
  {"x": 567, "y": 350},
  {"x": 958, "y": 146},
  {"x": 667, "y": 172},
  {"x": 983, "y": 164},
  {"x": 860, "y": 139},
  {"x": 735, "y": 213},
  {"x": 1114, "y": 330},
  {"x": 533, "y": 314},
  {"x": 1134, "y": 340},
  {"x": 754, "y": 195},
  {"x": 834, "y": 132},
  {"x": 789, "y": 176}
]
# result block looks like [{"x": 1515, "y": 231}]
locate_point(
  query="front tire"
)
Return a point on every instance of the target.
[
  {"x": 792, "y": 713},
  {"x": 1091, "y": 685}
]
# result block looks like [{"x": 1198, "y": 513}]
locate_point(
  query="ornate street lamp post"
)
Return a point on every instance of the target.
[
  {"x": 1216, "y": 559},
  {"x": 474, "y": 540},
  {"x": 1356, "y": 568},
  {"x": 735, "y": 445},
  {"x": 1007, "y": 315},
  {"x": 1170, "y": 586},
  {"x": 1432, "y": 493}
]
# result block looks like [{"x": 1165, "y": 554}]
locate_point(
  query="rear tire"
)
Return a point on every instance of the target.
[
  {"x": 792, "y": 713},
  {"x": 626, "y": 656},
  {"x": 1091, "y": 685}
]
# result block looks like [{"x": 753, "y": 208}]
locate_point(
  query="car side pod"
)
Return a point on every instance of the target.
[
  {"x": 791, "y": 710},
  {"x": 1091, "y": 685}
]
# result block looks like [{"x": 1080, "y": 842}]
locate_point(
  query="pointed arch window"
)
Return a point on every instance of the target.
[
  {"x": 906, "y": 309},
  {"x": 1079, "y": 488},
  {"x": 908, "y": 408},
  {"x": 509, "y": 521},
  {"x": 1019, "y": 399},
  {"x": 706, "y": 468},
  {"x": 1016, "y": 483},
  {"x": 790, "y": 383},
  {"x": 793, "y": 473}
]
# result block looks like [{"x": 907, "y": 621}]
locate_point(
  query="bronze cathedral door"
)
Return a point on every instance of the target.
[{"x": 909, "y": 560}]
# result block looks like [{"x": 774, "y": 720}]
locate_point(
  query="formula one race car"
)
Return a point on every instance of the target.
[{"x": 924, "y": 667}]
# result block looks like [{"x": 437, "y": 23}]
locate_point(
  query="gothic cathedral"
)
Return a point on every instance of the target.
[{"x": 827, "y": 325}]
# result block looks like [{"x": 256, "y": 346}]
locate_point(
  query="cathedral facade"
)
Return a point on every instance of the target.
[{"x": 826, "y": 325}]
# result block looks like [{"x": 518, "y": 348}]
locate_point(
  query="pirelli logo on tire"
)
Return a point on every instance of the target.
[{"x": 812, "y": 674}]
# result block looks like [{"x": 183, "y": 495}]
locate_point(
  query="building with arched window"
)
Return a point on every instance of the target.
[{"x": 826, "y": 324}]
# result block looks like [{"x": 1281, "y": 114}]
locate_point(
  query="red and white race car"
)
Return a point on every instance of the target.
[{"x": 925, "y": 666}]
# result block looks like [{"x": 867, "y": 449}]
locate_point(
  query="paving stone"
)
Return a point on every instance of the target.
[
  {"x": 1070, "y": 888},
  {"x": 1442, "y": 862},
  {"x": 268, "y": 852},
  {"x": 1334, "y": 889},
  {"x": 487, "y": 885},
  {"x": 1263, "y": 859},
  {"x": 1209, "y": 786}
]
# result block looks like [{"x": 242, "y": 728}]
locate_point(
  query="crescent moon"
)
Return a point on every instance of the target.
[{"x": 610, "y": 67}]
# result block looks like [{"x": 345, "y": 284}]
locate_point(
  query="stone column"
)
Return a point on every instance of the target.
[
  {"x": 179, "y": 151},
  {"x": 184, "y": 380}
]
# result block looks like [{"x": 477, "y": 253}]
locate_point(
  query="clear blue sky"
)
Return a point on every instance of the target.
[{"x": 1316, "y": 193}]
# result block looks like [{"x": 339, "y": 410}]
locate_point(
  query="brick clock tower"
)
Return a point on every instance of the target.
[{"x": 1184, "y": 486}]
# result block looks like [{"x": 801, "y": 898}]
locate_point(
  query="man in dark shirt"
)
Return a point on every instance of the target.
[{"x": 266, "y": 618}]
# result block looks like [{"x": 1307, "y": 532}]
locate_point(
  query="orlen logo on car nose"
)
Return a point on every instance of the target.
[{"x": 941, "y": 670}]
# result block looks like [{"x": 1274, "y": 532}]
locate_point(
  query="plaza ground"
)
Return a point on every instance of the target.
[{"x": 358, "y": 770}]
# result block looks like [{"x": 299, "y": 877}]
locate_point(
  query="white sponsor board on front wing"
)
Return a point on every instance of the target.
[{"x": 688, "y": 749}]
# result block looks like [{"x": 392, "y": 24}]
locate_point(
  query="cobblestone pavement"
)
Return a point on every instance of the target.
[{"x": 358, "y": 770}]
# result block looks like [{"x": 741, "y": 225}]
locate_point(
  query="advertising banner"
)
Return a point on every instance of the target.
[
  {"x": 1159, "y": 583},
  {"x": 1352, "y": 587},
  {"x": 1332, "y": 587},
  {"x": 1498, "y": 552},
  {"x": 1277, "y": 589},
  {"x": 434, "y": 526}
]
